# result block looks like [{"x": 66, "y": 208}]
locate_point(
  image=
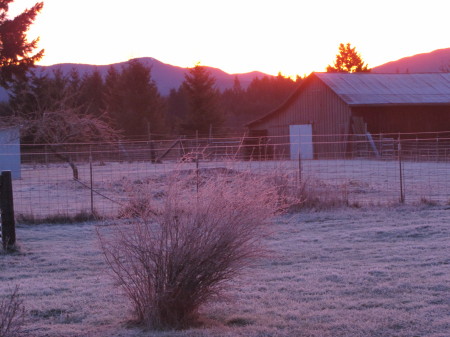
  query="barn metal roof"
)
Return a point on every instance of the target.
[{"x": 381, "y": 89}]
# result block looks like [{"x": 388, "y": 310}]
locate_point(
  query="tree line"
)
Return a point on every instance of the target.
[{"x": 128, "y": 100}]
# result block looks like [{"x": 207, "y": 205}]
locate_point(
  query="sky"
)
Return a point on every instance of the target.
[{"x": 294, "y": 37}]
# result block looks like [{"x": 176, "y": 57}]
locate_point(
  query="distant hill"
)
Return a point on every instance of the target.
[
  {"x": 433, "y": 62},
  {"x": 166, "y": 76}
]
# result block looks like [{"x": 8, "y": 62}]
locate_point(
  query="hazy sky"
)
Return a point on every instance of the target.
[{"x": 291, "y": 36}]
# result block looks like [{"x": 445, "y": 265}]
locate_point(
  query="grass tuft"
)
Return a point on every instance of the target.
[
  {"x": 239, "y": 321},
  {"x": 12, "y": 314},
  {"x": 58, "y": 218}
]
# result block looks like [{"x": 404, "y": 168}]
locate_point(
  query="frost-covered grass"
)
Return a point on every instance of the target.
[
  {"x": 49, "y": 190},
  {"x": 346, "y": 272}
]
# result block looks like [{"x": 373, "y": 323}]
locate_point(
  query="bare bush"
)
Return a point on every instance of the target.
[
  {"x": 180, "y": 251},
  {"x": 11, "y": 315}
]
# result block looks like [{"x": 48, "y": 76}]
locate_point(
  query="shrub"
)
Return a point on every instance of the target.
[
  {"x": 310, "y": 193},
  {"x": 11, "y": 315},
  {"x": 180, "y": 251}
]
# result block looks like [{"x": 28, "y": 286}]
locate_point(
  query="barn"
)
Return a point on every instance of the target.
[{"x": 329, "y": 112}]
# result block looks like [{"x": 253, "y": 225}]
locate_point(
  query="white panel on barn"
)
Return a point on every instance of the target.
[
  {"x": 300, "y": 137},
  {"x": 10, "y": 151}
]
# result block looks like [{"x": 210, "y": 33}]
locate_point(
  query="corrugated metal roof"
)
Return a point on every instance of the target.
[{"x": 374, "y": 89}]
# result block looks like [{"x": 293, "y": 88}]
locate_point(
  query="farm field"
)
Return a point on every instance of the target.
[{"x": 372, "y": 272}]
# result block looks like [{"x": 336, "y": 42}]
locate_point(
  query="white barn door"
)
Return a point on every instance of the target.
[{"x": 300, "y": 137}]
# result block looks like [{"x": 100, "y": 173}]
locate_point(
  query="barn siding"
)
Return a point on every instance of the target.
[
  {"x": 318, "y": 105},
  {"x": 414, "y": 119}
]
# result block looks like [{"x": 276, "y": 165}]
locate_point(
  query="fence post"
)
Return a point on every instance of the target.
[
  {"x": 299, "y": 168},
  {"x": 402, "y": 191},
  {"x": 437, "y": 148},
  {"x": 7, "y": 211},
  {"x": 91, "y": 180}
]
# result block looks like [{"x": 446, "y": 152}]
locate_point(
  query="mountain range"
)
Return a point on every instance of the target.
[{"x": 167, "y": 76}]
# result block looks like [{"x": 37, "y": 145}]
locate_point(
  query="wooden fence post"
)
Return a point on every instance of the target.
[{"x": 7, "y": 211}]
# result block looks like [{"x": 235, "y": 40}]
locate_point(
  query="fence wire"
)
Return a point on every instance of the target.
[{"x": 376, "y": 170}]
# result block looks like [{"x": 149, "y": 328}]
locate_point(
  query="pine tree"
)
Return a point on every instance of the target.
[
  {"x": 92, "y": 93},
  {"x": 202, "y": 97},
  {"x": 348, "y": 60},
  {"x": 133, "y": 101},
  {"x": 111, "y": 93},
  {"x": 16, "y": 52},
  {"x": 37, "y": 92},
  {"x": 177, "y": 108}
]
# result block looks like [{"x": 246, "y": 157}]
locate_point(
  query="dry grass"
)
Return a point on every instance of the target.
[
  {"x": 309, "y": 193},
  {"x": 57, "y": 218},
  {"x": 340, "y": 273},
  {"x": 11, "y": 315}
]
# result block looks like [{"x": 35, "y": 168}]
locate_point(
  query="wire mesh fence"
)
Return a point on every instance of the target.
[{"x": 375, "y": 170}]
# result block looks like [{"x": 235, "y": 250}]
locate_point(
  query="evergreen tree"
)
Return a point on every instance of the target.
[
  {"x": 133, "y": 100},
  {"x": 348, "y": 60},
  {"x": 237, "y": 88},
  {"x": 177, "y": 108},
  {"x": 35, "y": 93},
  {"x": 202, "y": 97},
  {"x": 111, "y": 92},
  {"x": 233, "y": 102},
  {"x": 59, "y": 89},
  {"x": 261, "y": 96},
  {"x": 40, "y": 92},
  {"x": 267, "y": 93},
  {"x": 92, "y": 93},
  {"x": 74, "y": 87},
  {"x": 16, "y": 51}
]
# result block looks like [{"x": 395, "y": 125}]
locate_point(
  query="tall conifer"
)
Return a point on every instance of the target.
[{"x": 16, "y": 52}]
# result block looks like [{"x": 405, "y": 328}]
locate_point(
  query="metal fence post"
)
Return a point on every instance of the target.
[
  {"x": 402, "y": 190},
  {"x": 299, "y": 168},
  {"x": 91, "y": 180},
  {"x": 7, "y": 211}
]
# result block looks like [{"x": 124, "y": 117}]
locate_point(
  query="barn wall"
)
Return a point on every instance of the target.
[
  {"x": 318, "y": 105},
  {"x": 405, "y": 119}
]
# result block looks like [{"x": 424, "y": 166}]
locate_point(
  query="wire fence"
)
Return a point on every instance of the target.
[{"x": 375, "y": 170}]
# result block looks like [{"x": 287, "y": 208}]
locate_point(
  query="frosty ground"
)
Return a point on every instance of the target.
[
  {"x": 46, "y": 190},
  {"x": 343, "y": 272}
]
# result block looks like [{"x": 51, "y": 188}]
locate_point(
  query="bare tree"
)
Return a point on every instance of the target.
[
  {"x": 59, "y": 128},
  {"x": 51, "y": 112}
]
